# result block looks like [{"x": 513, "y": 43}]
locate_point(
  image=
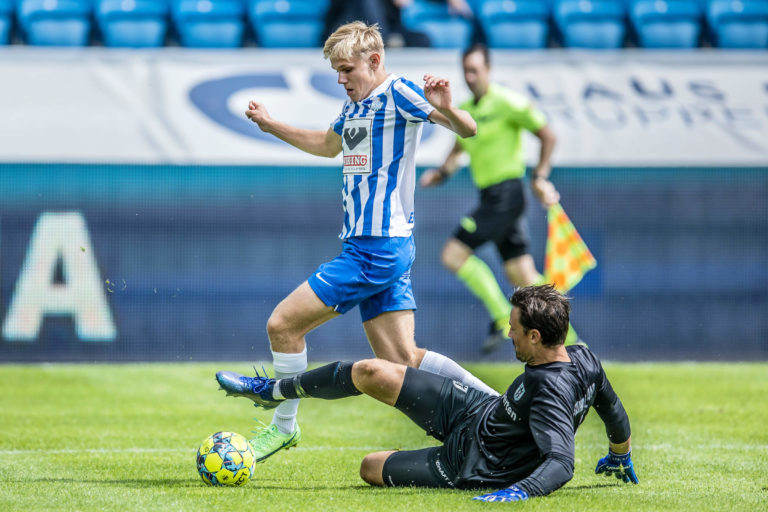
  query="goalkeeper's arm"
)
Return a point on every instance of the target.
[
  {"x": 553, "y": 473},
  {"x": 618, "y": 462}
]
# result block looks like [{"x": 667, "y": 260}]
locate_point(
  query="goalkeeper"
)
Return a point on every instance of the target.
[
  {"x": 521, "y": 442},
  {"x": 497, "y": 161}
]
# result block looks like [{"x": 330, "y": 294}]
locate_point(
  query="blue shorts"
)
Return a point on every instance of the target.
[{"x": 372, "y": 272}]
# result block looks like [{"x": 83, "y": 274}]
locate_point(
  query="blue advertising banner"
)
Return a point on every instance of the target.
[{"x": 180, "y": 263}]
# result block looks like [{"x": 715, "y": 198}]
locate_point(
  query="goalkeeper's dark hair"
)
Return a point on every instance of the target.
[
  {"x": 480, "y": 48},
  {"x": 545, "y": 309}
]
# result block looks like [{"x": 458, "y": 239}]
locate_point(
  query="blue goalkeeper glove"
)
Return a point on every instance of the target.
[
  {"x": 511, "y": 493},
  {"x": 618, "y": 465}
]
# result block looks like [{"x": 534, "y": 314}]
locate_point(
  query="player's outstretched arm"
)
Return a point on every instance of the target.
[
  {"x": 438, "y": 92},
  {"x": 315, "y": 142},
  {"x": 618, "y": 462}
]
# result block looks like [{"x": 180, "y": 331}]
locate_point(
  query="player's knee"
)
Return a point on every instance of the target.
[
  {"x": 278, "y": 327},
  {"x": 367, "y": 371},
  {"x": 371, "y": 469}
]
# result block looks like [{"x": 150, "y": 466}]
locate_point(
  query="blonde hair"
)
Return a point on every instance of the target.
[{"x": 354, "y": 40}]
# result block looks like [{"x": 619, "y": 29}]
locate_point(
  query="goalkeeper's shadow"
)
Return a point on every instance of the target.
[{"x": 599, "y": 485}]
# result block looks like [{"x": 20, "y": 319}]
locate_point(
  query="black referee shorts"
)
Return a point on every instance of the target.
[
  {"x": 499, "y": 218},
  {"x": 444, "y": 409}
]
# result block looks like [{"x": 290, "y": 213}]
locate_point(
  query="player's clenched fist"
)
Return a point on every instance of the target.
[{"x": 258, "y": 114}]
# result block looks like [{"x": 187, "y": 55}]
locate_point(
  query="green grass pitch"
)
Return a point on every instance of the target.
[{"x": 124, "y": 437}]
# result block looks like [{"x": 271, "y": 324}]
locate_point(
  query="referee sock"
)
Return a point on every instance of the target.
[
  {"x": 479, "y": 278},
  {"x": 287, "y": 365},
  {"x": 328, "y": 382},
  {"x": 445, "y": 367}
]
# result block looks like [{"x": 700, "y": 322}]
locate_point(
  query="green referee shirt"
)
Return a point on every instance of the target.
[{"x": 497, "y": 152}]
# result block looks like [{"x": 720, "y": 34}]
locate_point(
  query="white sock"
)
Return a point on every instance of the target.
[
  {"x": 287, "y": 365},
  {"x": 445, "y": 367},
  {"x": 276, "y": 394}
]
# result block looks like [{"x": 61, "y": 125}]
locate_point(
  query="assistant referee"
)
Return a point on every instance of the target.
[{"x": 497, "y": 165}]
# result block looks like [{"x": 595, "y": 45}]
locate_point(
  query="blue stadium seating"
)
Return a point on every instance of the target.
[
  {"x": 738, "y": 23},
  {"x": 132, "y": 23},
  {"x": 55, "y": 22},
  {"x": 209, "y": 23},
  {"x": 515, "y": 23},
  {"x": 590, "y": 23},
  {"x": 287, "y": 24},
  {"x": 444, "y": 29},
  {"x": 666, "y": 23},
  {"x": 6, "y": 21}
]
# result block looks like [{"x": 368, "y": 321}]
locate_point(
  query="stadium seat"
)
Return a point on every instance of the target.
[
  {"x": 666, "y": 23},
  {"x": 515, "y": 23},
  {"x": 590, "y": 23},
  {"x": 132, "y": 23},
  {"x": 738, "y": 23},
  {"x": 287, "y": 24},
  {"x": 209, "y": 23},
  {"x": 6, "y": 20},
  {"x": 444, "y": 29},
  {"x": 55, "y": 22}
]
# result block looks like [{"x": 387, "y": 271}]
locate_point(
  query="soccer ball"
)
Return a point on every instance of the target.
[{"x": 226, "y": 458}]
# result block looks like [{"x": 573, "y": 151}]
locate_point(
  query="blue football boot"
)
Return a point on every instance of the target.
[{"x": 258, "y": 388}]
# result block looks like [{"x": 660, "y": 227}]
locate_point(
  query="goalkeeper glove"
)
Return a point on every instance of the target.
[
  {"x": 619, "y": 465},
  {"x": 511, "y": 493}
]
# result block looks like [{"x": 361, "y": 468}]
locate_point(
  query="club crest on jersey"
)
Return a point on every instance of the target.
[
  {"x": 519, "y": 392},
  {"x": 376, "y": 104},
  {"x": 356, "y": 144}
]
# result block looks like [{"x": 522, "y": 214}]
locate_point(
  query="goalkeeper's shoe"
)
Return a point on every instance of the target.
[
  {"x": 269, "y": 440},
  {"x": 258, "y": 388}
]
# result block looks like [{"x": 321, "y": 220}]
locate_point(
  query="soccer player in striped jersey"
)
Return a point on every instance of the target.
[{"x": 378, "y": 131}]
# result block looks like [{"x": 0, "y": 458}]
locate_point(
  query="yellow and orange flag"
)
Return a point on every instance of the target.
[{"x": 568, "y": 258}]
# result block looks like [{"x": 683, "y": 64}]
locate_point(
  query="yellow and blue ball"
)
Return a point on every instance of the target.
[{"x": 226, "y": 458}]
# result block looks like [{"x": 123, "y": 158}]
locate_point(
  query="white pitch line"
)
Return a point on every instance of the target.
[
  {"x": 637, "y": 449},
  {"x": 180, "y": 450}
]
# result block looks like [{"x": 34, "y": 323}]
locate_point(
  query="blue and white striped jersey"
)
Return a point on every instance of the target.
[{"x": 379, "y": 139}]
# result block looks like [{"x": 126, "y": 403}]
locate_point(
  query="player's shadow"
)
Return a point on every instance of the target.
[{"x": 600, "y": 485}]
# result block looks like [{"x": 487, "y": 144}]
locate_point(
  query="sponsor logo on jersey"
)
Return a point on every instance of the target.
[
  {"x": 443, "y": 473},
  {"x": 461, "y": 387},
  {"x": 508, "y": 407},
  {"x": 355, "y": 160},
  {"x": 356, "y": 143},
  {"x": 583, "y": 403},
  {"x": 353, "y": 136}
]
